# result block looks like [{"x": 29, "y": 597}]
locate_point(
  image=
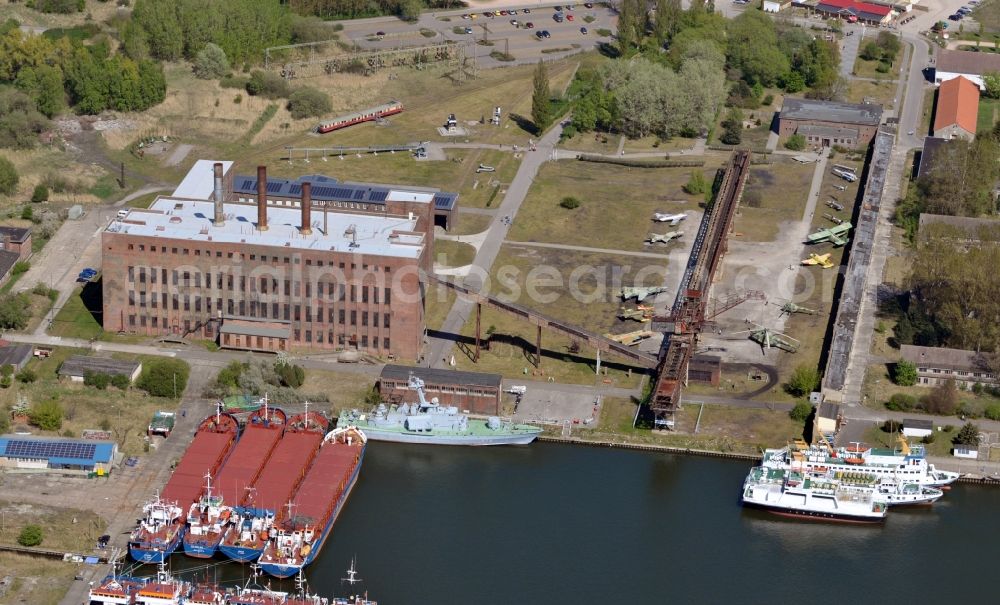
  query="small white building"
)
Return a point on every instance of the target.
[
  {"x": 913, "y": 427},
  {"x": 774, "y": 6},
  {"x": 966, "y": 451}
]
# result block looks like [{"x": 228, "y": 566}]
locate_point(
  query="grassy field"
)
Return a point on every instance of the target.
[
  {"x": 881, "y": 92},
  {"x": 76, "y": 319},
  {"x": 126, "y": 413},
  {"x": 62, "y": 528},
  {"x": 346, "y": 390},
  {"x": 628, "y": 195},
  {"x": 469, "y": 224},
  {"x": 453, "y": 254},
  {"x": 927, "y": 112},
  {"x": 438, "y": 303},
  {"x": 940, "y": 446},
  {"x": 782, "y": 188},
  {"x": 36, "y": 581},
  {"x": 867, "y": 69},
  {"x": 722, "y": 428},
  {"x": 989, "y": 113}
]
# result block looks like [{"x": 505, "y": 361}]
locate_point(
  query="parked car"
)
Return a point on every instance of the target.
[
  {"x": 529, "y": 25},
  {"x": 583, "y": 30},
  {"x": 539, "y": 34},
  {"x": 380, "y": 34},
  {"x": 588, "y": 4},
  {"x": 465, "y": 16},
  {"x": 569, "y": 17},
  {"x": 468, "y": 30},
  {"x": 526, "y": 11},
  {"x": 546, "y": 34},
  {"x": 955, "y": 17},
  {"x": 513, "y": 22}
]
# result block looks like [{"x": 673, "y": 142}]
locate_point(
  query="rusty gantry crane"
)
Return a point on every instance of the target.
[{"x": 688, "y": 314}]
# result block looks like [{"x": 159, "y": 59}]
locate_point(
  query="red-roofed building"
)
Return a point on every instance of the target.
[
  {"x": 856, "y": 11},
  {"x": 957, "y": 109}
]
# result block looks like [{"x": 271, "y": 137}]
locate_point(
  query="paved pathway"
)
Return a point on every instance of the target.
[
  {"x": 439, "y": 349},
  {"x": 586, "y": 249}
]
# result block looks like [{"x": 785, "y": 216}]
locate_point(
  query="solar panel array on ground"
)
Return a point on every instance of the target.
[
  {"x": 203, "y": 456},
  {"x": 326, "y": 481},
  {"x": 246, "y": 462},
  {"x": 283, "y": 471}
]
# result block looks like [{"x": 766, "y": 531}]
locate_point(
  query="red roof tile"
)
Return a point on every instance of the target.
[{"x": 958, "y": 103}]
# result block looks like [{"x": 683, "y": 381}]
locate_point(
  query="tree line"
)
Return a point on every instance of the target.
[
  {"x": 173, "y": 29},
  {"x": 47, "y": 75}
]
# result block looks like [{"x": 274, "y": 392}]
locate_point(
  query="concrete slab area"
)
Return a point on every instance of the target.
[{"x": 540, "y": 404}]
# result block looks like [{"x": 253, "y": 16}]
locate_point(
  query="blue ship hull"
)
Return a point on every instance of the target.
[
  {"x": 287, "y": 571},
  {"x": 201, "y": 549},
  {"x": 146, "y": 553},
  {"x": 241, "y": 554}
]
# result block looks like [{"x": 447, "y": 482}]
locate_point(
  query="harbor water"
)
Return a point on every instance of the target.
[{"x": 554, "y": 524}]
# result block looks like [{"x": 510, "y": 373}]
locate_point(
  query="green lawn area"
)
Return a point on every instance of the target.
[
  {"x": 75, "y": 319},
  {"x": 722, "y": 428},
  {"x": 781, "y": 188},
  {"x": 453, "y": 254},
  {"x": 867, "y": 69},
  {"x": 927, "y": 112},
  {"x": 881, "y": 92},
  {"x": 878, "y": 389},
  {"x": 616, "y": 204},
  {"x": 989, "y": 113},
  {"x": 468, "y": 224},
  {"x": 940, "y": 446}
]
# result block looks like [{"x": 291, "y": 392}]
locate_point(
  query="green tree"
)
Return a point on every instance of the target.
[
  {"x": 541, "y": 98},
  {"x": 14, "y": 311},
  {"x": 901, "y": 402},
  {"x": 668, "y": 17},
  {"x": 46, "y": 415},
  {"x": 98, "y": 380},
  {"x": 8, "y": 177},
  {"x": 40, "y": 193},
  {"x": 753, "y": 48},
  {"x": 967, "y": 435},
  {"x": 31, "y": 535},
  {"x": 44, "y": 84},
  {"x": 943, "y": 399},
  {"x": 409, "y": 10},
  {"x": 804, "y": 380},
  {"x": 27, "y": 375},
  {"x": 904, "y": 373},
  {"x": 796, "y": 142},
  {"x": 889, "y": 44},
  {"x": 569, "y": 203},
  {"x": 268, "y": 85},
  {"x": 870, "y": 51},
  {"x": 631, "y": 18},
  {"x": 211, "y": 62},
  {"x": 309, "y": 102},
  {"x": 121, "y": 382},
  {"x": 159, "y": 377},
  {"x": 20, "y": 121},
  {"x": 801, "y": 411},
  {"x": 732, "y": 127},
  {"x": 991, "y": 80},
  {"x": 697, "y": 183}
]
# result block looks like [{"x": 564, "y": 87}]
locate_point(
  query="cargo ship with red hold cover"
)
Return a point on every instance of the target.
[
  {"x": 161, "y": 529},
  {"x": 253, "y": 517},
  {"x": 209, "y": 517},
  {"x": 299, "y": 533}
]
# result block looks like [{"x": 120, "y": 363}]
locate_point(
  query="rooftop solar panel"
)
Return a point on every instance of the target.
[
  {"x": 295, "y": 189},
  {"x": 378, "y": 196},
  {"x": 342, "y": 192},
  {"x": 359, "y": 194},
  {"x": 23, "y": 448},
  {"x": 323, "y": 191},
  {"x": 273, "y": 187},
  {"x": 247, "y": 184}
]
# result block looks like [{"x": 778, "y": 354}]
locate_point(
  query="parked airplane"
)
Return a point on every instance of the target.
[
  {"x": 663, "y": 238},
  {"x": 673, "y": 219},
  {"x": 642, "y": 314},
  {"x": 822, "y": 260},
  {"x": 837, "y": 235}
]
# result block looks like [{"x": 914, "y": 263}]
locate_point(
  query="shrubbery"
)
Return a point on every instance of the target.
[
  {"x": 796, "y": 142},
  {"x": 268, "y": 85},
  {"x": 800, "y": 412},
  {"x": 308, "y": 102},
  {"x": 164, "y": 377},
  {"x": 31, "y": 535},
  {"x": 47, "y": 415}
]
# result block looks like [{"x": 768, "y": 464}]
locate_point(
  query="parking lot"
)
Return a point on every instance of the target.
[{"x": 501, "y": 36}]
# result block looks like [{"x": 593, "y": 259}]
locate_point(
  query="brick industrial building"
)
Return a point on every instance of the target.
[
  {"x": 826, "y": 123},
  {"x": 473, "y": 391},
  {"x": 272, "y": 274}
]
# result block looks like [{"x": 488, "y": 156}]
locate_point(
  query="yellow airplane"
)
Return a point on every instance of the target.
[{"x": 822, "y": 260}]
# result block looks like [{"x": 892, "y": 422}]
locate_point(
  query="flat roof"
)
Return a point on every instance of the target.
[
  {"x": 78, "y": 364},
  {"x": 978, "y": 229},
  {"x": 915, "y": 423},
  {"x": 199, "y": 182},
  {"x": 185, "y": 219},
  {"x": 15, "y": 353},
  {"x": 57, "y": 450},
  {"x": 16, "y": 234},
  {"x": 434, "y": 376},
  {"x": 831, "y": 111},
  {"x": 326, "y": 188}
]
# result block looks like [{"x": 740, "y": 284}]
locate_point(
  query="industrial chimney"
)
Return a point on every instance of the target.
[
  {"x": 262, "y": 198},
  {"x": 307, "y": 208},
  {"x": 220, "y": 218}
]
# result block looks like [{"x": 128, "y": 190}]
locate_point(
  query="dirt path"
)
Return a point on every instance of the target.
[{"x": 179, "y": 154}]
